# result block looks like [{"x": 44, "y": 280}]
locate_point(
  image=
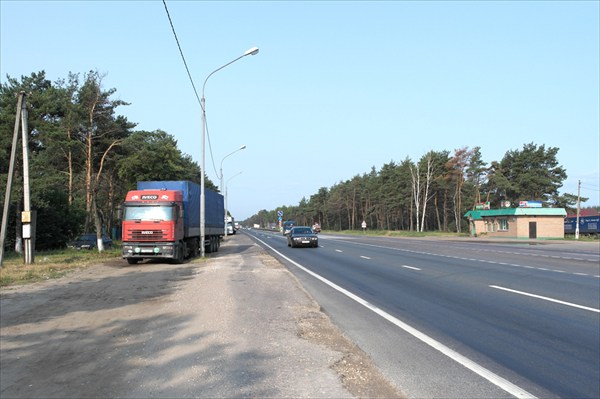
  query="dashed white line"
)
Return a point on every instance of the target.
[
  {"x": 365, "y": 257},
  {"x": 410, "y": 267},
  {"x": 545, "y": 298}
]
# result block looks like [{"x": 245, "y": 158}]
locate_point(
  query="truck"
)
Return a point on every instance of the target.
[
  {"x": 161, "y": 220},
  {"x": 230, "y": 225},
  {"x": 589, "y": 224}
]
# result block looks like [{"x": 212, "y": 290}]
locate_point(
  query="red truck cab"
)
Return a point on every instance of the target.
[{"x": 153, "y": 225}]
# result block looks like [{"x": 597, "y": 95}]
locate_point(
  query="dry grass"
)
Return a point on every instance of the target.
[{"x": 49, "y": 264}]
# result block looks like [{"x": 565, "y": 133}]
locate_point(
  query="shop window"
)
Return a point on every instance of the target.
[{"x": 502, "y": 224}]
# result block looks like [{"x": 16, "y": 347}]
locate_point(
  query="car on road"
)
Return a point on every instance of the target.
[
  {"x": 302, "y": 236},
  {"x": 287, "y": 226},
  {"x": 89, "y": 241}
]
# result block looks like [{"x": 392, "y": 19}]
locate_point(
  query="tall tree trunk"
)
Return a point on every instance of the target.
[
  {"x": 445, "y": 210},
  {"x": 428, "y": 175},
  {"x": 437, "y": 212},
  {"x": 70, "y": 170},
  {"x": 97, "y": 223},
  {"x": 416, "y": 191}
]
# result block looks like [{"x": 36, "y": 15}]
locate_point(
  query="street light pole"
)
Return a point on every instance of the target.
[
  {"x": 252, "y": 51},
  {"x": 221, "y": 171}
]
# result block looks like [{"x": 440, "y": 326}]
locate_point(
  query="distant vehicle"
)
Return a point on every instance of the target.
[
  {"x": 287, "y": 226},
  {"x": 316, "y": 228},
  {"x": 589, "y": 224},
  {"x": 302, "y": 236},
  {"x": 230, "y": 229},
  {"x": 89, "y": 241}
]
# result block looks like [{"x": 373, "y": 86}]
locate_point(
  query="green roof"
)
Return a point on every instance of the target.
[{"x": 478, "y": 215}]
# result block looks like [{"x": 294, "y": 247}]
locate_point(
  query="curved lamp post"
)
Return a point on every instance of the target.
[
  {"x": 252, "y": 51},
  {"x": 221, "y": 171}
]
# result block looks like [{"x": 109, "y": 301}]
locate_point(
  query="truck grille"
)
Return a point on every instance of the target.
[{"x": 146, "y": 235}]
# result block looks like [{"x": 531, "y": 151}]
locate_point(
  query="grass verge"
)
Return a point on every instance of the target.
[
  {"x": 390, "y": 233},
  {"x": 49, "y": 264}
]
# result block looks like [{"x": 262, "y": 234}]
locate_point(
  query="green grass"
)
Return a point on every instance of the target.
[
  {"x": 584, "y": 238},
  {"x": 49, "y": 265},
  {"x": 390, "y": 233}
]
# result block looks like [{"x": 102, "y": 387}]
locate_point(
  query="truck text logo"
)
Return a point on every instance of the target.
[
  {"x": 147, "y": 232},
  {"x": 149, "y": 197}
]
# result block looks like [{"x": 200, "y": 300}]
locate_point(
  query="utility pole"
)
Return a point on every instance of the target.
[
  {"x": 578, "y": 207},
  {"x": 11, "y": 169},
  {"x": 28, "y": 217}
]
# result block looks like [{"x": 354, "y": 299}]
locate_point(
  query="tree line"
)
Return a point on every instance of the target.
[
  {"x": 433, "y": 193},
  {"x": 83, "y": 157}
]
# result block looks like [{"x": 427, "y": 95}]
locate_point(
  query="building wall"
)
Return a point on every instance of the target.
[
  {"x": 518, "y": 227},
  {"x": 547, "y": 226}
]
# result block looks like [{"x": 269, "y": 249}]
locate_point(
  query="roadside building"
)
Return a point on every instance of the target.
[{"x": 529, "y": 223}]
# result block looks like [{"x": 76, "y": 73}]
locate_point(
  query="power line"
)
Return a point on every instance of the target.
[
  {"x": 181, "y": 52},
  {"x": 195, "y": 91}
]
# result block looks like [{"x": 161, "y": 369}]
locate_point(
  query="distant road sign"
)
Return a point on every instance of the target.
[{"x": 280, "y": 213}]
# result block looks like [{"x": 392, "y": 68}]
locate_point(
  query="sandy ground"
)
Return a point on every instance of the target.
[{"x": 237, "y": 325}]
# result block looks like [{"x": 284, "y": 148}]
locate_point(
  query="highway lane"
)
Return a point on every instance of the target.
[{"x": 528, "y": 314}]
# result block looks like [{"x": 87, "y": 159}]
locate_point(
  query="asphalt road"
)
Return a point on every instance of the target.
[{"x": 461, "y": 318}]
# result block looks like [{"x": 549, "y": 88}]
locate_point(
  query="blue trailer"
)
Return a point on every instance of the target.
[{"x": 588, "y": 225}]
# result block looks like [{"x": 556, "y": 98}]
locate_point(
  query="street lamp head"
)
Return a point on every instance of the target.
[
  {"x": 243, "y": 147},
  {"x": 252, "y": 51}
]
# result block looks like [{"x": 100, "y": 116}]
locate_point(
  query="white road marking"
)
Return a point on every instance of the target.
[
  {"x": 545, "y": 298},
  {"x": 365, "y": 257},
  {"x": 338, "y": 250},
  {"x": 410, "y": 267},
  {"x": 452, "y": 354},
  {"x": 483, "y": 260}
]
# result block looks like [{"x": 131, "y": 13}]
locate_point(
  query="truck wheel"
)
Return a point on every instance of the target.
[
  {"x": 181, "y": 254},
  {"x": 209, "y": 248}
]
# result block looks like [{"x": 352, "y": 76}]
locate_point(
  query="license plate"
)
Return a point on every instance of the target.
[
  {"x": 147, "y": 251},
  {"x": 305, "y": 242}
]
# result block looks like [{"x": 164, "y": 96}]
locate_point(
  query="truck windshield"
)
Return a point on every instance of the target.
[{"x": 149, "y": 212}]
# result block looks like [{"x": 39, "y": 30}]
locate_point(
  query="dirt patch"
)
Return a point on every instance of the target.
[
  {"x": 239, "y": 325},
  {"x": 355, "y": 369}
]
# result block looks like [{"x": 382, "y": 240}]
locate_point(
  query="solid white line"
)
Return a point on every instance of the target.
[
  {"x": 452, "y": 354},
  {"x": 410, "y": 267},
  {"x": 546, "y": 298}
]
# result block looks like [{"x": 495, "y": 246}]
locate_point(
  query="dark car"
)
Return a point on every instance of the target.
[
  {"x": 302, "y": 236},
  {"x": 89, "y": 241},
  {"x": 287, "y": 226}
]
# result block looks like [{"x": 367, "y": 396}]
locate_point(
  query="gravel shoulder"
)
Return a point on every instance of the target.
[{"x": 235, "y": 325}]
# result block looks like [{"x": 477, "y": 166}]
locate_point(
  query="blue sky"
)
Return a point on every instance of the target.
[{"x": 338, "y": 87}]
